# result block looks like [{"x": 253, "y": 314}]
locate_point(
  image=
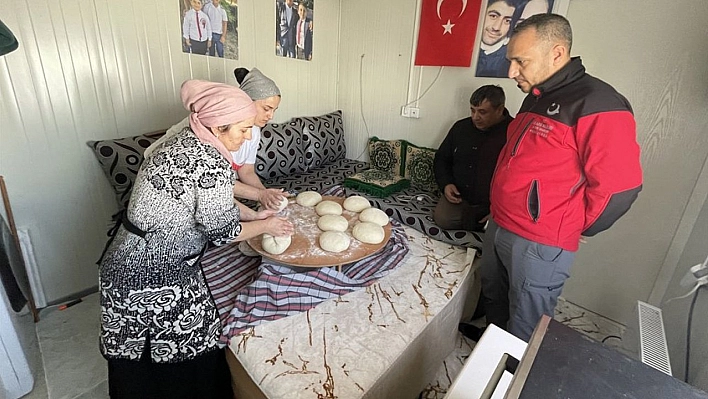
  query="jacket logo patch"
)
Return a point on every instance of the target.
[
  {"x": 540, "y": 128},
  {"x": 553, "y": 109}
]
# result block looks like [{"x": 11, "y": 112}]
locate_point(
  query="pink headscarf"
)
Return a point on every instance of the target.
[{"x": 215, "y": 104}]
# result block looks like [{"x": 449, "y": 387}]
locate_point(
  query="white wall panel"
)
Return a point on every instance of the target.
[
  {"x": 107, "y": 69},
  {"x": 660, "y": 64},
  {"x": 383, "y": 32},
  {"x": 657, "y": 58}
]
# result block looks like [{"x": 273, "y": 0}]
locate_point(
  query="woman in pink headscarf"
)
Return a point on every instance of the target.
[{"x": 159, "y": 325}]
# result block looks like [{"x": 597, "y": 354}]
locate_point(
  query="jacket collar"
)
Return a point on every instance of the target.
[{"x": 571, "y": 72}]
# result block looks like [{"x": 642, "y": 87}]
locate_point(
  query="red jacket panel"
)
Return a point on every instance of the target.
[{"x": 571, "y": 162}]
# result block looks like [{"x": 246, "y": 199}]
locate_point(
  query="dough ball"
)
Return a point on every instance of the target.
[
  {"x": 356, "y": 203},
  {"x": 334, "y": 241},
  {"x": 374, "y": 215},
  {"x": 328, "y": 208},
  {"x": 283, "y": 203},
  {"x": 275, "y": 245},
  {"x": 367, "y": 232},
  {"x": 308, "y": 198},
  {"x": 333, "y": 223}
]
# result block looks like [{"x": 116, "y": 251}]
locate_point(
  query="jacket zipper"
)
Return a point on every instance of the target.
[
  {"x": 521, "y": 136},
  {"x": 533, "y": 201},
  {"x": 523, "y": 133}
]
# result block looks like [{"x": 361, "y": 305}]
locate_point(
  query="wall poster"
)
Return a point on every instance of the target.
[
  {"x": 210, "y": 27},
  {"x": 500, "y": 18},
  {"x": 293, "y": 28}
]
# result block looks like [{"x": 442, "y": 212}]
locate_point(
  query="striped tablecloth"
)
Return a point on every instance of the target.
[{"x": 251, "y": 290}]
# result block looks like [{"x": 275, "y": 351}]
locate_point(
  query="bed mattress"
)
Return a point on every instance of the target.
[{"x": 383, "y": 341}]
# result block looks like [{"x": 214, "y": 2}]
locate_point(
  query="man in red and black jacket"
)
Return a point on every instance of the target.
[{"x": 570, "y": 168}]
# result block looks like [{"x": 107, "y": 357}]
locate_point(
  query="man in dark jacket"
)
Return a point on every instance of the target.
[
  {"x": 570, "y": 168},
  {"x": 464, "y": 163}
]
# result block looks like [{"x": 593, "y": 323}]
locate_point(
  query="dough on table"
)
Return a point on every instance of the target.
[
  {"x": 369, "y": 233},
  {"x": 356, "y": 203},
  {"x": 308, "y": 198},
  {"x": 334, "y": 241},
  {"x": 275, "y": 245},
  {"x": 283, "y": 203},
  {"x": 333, "y": 223},
  {"x": 328, "y": 208},
  {"x": 374, "y": 215}
]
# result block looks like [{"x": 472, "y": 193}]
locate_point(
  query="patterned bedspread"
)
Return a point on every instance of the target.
[
  {"x": 387, "y": 340},
  {"x": 251, "y": 290}
]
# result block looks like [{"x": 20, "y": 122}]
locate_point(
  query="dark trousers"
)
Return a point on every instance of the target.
[
  {"x": 521, "y": 279},
  {"x": 198, "y": 47},
  {"x": 462, "y": 216},
  {"x": 206, "y": 376}
]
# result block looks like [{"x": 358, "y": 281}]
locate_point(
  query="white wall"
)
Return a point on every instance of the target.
[
  {"x": 653, "y": 55},
  {"x": 107, "y": 69},
  {"x": 676, "y": 312}
]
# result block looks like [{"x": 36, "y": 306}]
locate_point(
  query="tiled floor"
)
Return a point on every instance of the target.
[{"x": 73, "y": 367}]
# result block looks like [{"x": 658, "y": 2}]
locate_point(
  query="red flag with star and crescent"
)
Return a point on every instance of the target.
[{"x": 447, "y": 32}]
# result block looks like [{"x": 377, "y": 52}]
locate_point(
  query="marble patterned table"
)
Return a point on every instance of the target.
[{"x": 386, "y": 340}]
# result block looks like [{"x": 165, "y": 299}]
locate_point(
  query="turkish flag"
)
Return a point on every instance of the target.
[{"x": 447, "y": 32}]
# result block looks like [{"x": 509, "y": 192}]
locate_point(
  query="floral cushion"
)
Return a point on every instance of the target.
[
  {"x": 419, "y": 168},
  {"x": 120, "y": 160},
  {"x": 387, "y": 155},
  {"x": 280, "y": 152},
  {"x": 379, "y": 183},
  {"x": 323, "y": 138}
]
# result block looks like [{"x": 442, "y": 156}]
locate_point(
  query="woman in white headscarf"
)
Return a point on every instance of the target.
[{"x": 159, "y": 324}]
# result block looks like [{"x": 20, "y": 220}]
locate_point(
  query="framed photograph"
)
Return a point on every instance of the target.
[
  {"x": 294, "y": 28},
  {"x": 210, "y": 27},
  {"x": 499, "y": 19}
]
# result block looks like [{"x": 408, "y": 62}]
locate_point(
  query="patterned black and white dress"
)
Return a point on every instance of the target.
[{"x": 153, "y": 286}]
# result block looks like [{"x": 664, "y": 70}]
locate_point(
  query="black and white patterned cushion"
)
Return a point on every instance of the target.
[
  {"x": 120, "y": 160},
  {"x": 319, "y": 179},
  {"x": 280, "y": 152},
  {"x": 323, "y": 138}
]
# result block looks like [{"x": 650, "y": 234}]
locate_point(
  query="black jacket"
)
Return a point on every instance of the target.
[{"x": 467, "y": 157}]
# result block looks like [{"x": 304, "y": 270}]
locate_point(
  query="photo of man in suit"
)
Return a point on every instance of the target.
[
  {"x": 285, "y": 20},
  {"x": 303, "y": 34}
]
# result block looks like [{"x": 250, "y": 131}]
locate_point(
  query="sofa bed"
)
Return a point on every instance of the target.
[{"x": 381, "y": 333}]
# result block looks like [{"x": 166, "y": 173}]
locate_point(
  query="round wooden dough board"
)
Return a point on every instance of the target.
[{"x": 305, "y": 251}]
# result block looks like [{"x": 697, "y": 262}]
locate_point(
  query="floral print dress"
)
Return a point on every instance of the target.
[{"x": 151, "y": 284}]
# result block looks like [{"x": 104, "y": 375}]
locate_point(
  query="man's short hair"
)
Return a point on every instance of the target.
[
  {"x": 492, "y": 93},
  {"x": 549, "y": 28}
]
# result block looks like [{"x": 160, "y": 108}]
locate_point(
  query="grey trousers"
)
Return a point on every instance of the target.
[{"x": 521, "y": 279}]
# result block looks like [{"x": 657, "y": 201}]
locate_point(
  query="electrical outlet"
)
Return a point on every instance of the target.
[
  {"x": 410, "y": 112},
  {"x": 696, "y": 274}
]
